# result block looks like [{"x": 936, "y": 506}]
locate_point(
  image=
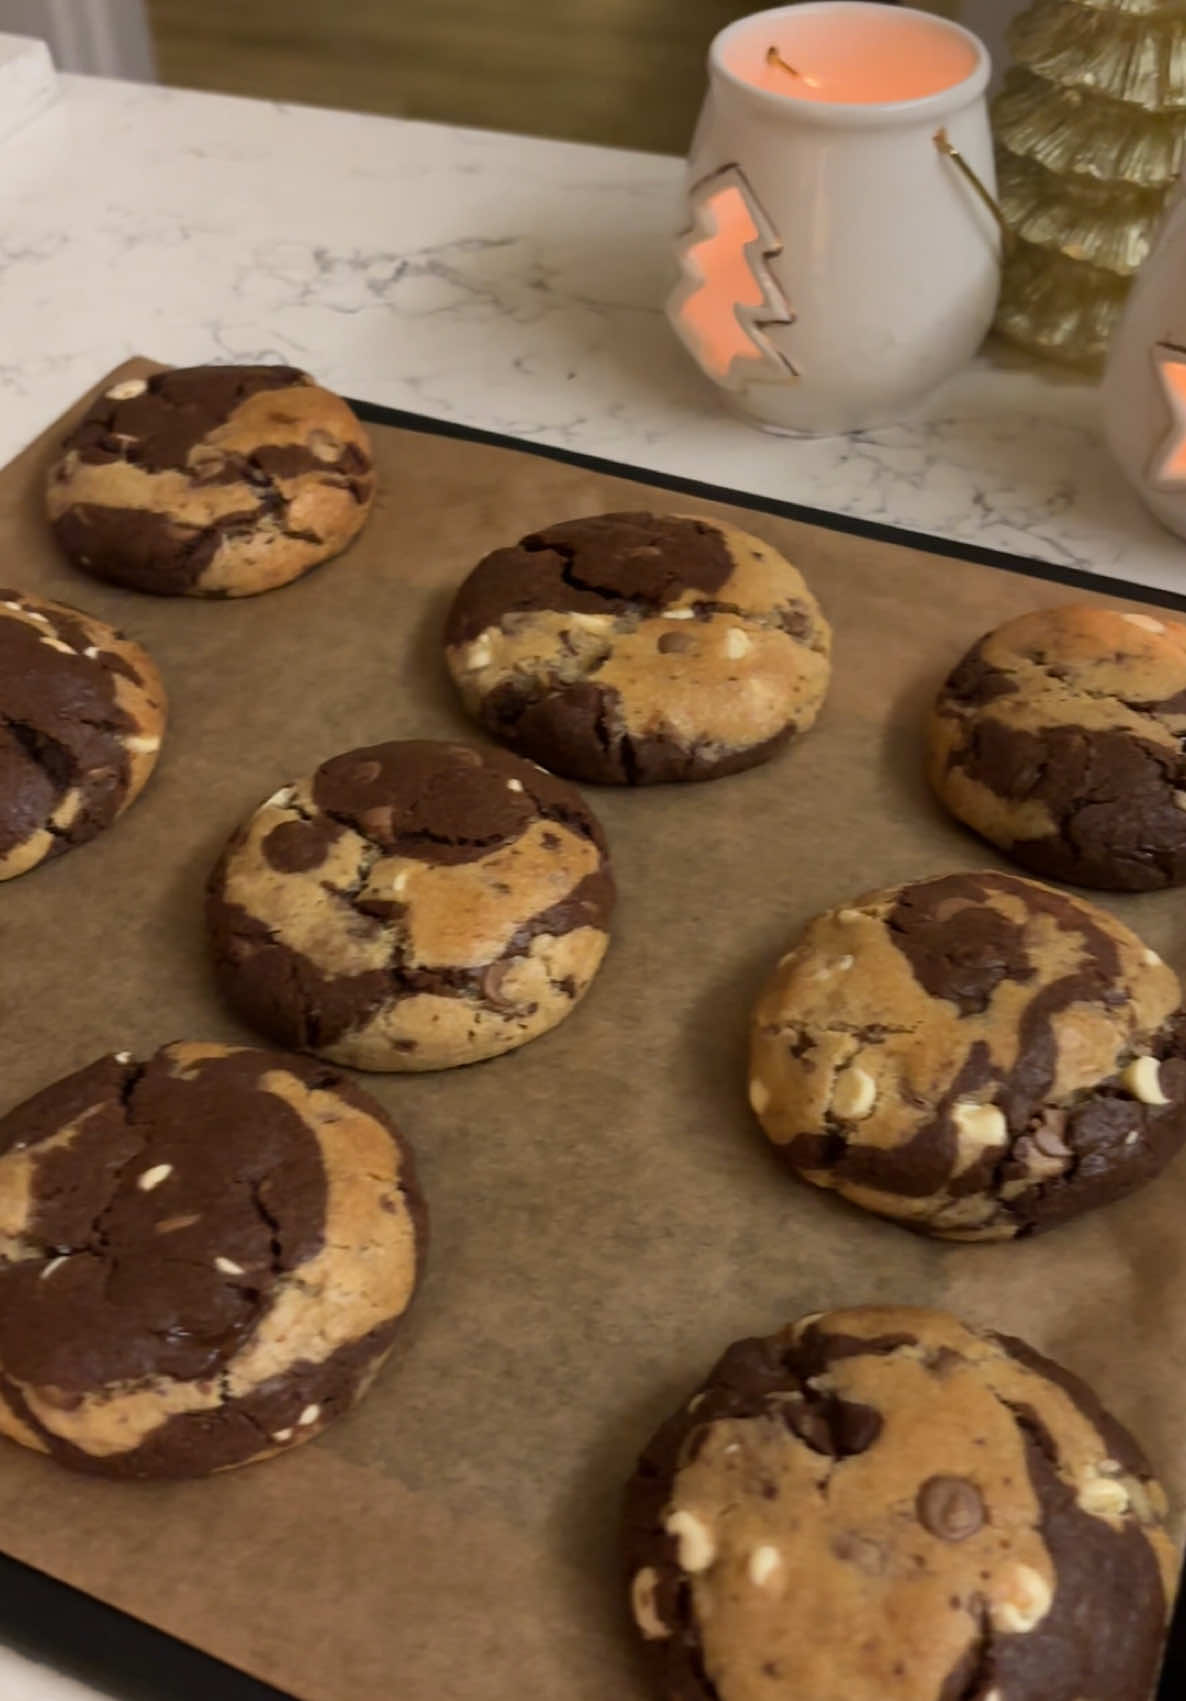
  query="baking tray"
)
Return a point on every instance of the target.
[{"x": 633, "y": 1220}]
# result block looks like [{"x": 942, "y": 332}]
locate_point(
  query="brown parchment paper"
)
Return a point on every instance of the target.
[{"x": 606, "y": 1216}]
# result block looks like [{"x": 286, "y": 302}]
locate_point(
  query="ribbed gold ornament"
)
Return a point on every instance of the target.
[{"x": 1091, "y": 134}]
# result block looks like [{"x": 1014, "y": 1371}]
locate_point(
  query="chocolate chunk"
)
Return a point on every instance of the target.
[
  {"x": 950, "y": 1508},
  {"x": 607, "y": 564},
  {"x": 175, "y": 412},
  {"x": 293, "y": 847},
  {"x": 959, "y": 947}
]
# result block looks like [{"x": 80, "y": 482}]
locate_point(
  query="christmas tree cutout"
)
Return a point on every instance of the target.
[
  {"x": 727, "y": 297},
  {"x": 1169, "y": 467},
  {"x": 1091, "y": 130}
]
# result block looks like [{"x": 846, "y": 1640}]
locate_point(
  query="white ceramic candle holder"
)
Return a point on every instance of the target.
[
  {"x": 1144, "y": 390},
  {"x": 836, "y": 264}
]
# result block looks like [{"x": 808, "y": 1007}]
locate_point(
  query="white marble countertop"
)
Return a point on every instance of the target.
[{"x": 486, "y": 279}]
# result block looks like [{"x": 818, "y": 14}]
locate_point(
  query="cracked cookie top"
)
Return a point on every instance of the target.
[
  {"x": 1059, "y": 737},
  {"x": 211, "y": 481},
  {"x": 885, "y": 1505},
  {"x": 634, "y": 649},
  {"x": 202, "y": 1258},
  {"x": 412, "y": 906},
  {"x": 82, "y": 712},
  {"x": 977, "y": 1056}
]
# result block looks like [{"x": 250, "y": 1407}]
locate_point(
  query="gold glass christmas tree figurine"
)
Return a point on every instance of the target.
[{"x": 1091, "y": 134}]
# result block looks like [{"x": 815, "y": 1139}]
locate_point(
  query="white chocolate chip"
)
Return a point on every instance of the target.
[
  {"x": 399, "y": 883},
  {"x": 128, "y": 390},
  {"x": 697, "y": 1549},
  {"x": 854, "y": 1094},
  {"x": 153, "y": 1177},
  {"x": 806, "y": 1323},
  {"x": 642, "y": 1604},
  {"x": 1150, "y": 958},
  {"x": 1142, "y": 1079},
  {"x": 1180, "y": 799},
  {"x": 54, "y": 1264},
  {"x": 123, "y": 1057},
  {"x": 1131, "y": 1139},
  {"x": 282, "y": 1435},
  {"x": 1103, "y": 1497},
  {"x": 514, "y": 785},
  {"x": 1028, "y": 1601},
  {"x": 56, "y": 644},
  {"x": 142, "y": 744},
  {"x": 844, "y": 964},
  {"x": 1110, "y": 1467},
  {"x": 763, "y": 1563},
  {"x": 479, "y": 655},
  {"x": 759, "y": 1096},
  {"x": 18, "y": 606},
  {"x": 92, "y": 652},
  {"x": 593, "y": 622},
  {"x": 308, "y": 1416},
  {"x": 978, "y": 1128},
  {"x": 679, "y": 614},
  {"x": 737, "y": 644},
  {"x": 36, "y": 614},
  {"x": 1139, "y": 1500},
  {"x": 171, "y": 1225},
  {"x": 1146, "y": 622},
  {"x": 279, "y": 798},
  {"x": 228, "y": 1266},
  {"x": 324, "y": 445},
  {"x": 696, "y": 1402},
  {"x": 849, "y": 916}
]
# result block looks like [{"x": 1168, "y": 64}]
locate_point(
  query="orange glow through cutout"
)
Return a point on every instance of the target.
[
  {"x": 1169, "y": 468},
  {"x": 728, "y": 296}
]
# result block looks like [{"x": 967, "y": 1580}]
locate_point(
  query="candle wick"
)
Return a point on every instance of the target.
[{"x": 774, "y": 57}]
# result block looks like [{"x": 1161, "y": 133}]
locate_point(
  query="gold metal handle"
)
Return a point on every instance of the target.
[{"x": 948, "y": 148}]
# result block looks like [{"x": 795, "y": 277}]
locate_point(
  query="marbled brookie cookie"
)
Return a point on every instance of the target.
[
  {"x": 977, "y": 1056},
  {"x": 215, "y": 481},
  {"x": 1059, "y": 737},
  {"x": 82, "y": 712},
  {"x": 632, "y": 649},
  {"x": 885, "y": 1505},
  {"x": 203, "y": 1259},
  {"x": 412, "y": 906}
]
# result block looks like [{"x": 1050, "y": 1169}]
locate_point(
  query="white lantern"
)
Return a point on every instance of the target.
[
  {"x": 836, "y": 261},
  {"x": 1144, "y": 392}
]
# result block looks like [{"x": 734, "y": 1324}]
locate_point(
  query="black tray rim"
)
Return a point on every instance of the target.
[{"x": 83, "y": 1638}]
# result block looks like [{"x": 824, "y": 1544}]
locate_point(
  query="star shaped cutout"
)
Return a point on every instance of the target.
[{"x": 1169, "y": 463}]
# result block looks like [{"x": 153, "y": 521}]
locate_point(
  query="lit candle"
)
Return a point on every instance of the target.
[
  {"x": 850, "y": 54},
  {"x": 838, "y": 256}
]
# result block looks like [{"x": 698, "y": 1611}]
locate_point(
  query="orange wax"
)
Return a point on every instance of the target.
[{"x": 853, "y": 55}]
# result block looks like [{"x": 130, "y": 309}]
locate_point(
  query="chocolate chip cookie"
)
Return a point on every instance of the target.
[
  {"x": 633, "y": 649},
  {"x": 977, "y": 1056},
  {"x": 204, "y": 1258},
  {"x": 885, "y": 1505},
  {"x": 82, "y": 712},
  {"x": 1059, "y": 738},
  {"x": 412, "y": 906},
  {"x": 211, "y": 481}
]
